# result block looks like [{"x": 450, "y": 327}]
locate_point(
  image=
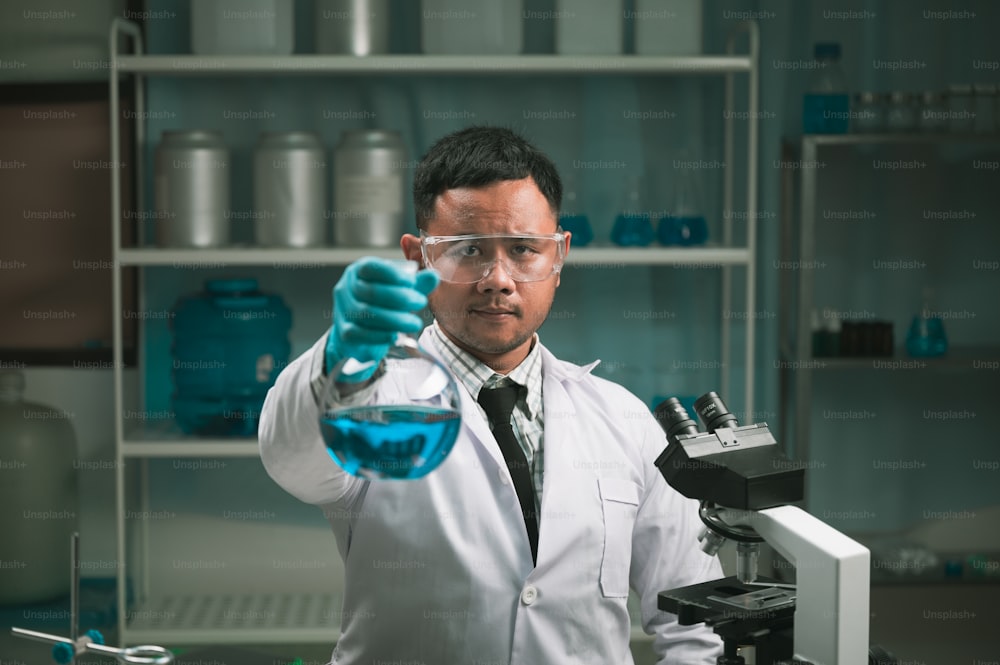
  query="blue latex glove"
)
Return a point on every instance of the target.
[{"x": 375, "y": 299}]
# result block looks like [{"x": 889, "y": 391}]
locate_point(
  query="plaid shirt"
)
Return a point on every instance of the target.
[{"x": 527, "y": 420}]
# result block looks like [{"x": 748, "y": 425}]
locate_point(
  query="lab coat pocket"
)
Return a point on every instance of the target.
[{"x": 620, "y": 503}]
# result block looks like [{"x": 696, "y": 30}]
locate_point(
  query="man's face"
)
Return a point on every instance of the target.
[{"x": 494, "y": 319}]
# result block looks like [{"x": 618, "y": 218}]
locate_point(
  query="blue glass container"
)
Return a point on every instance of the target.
[
  {"x": 826, "y": 105},
  {"x": 685, "y": 231},
  {"x": 580, "y": 227},
  {"x": 926, "y": 337},
  {"x": 632, "y": 230},
  {"x": 572, "y": 218},
  {"x": 633, "y": 225},
  {"x": 230, "y": 342}
]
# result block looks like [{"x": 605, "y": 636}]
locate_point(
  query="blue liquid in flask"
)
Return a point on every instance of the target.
[
  {"x": 399, "y": 442},
  {"x": 683, "y": 230}
]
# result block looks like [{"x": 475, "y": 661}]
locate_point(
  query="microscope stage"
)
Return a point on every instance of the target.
[{"x": 728, "y": 599}]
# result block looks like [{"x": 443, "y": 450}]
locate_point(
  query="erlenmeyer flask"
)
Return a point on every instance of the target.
[
  {"x": 408, "y": 424},
  {"x": 633, "y": 226},
  {"x": 572, "y": 218},
  {"x": 685, "y": 224}
]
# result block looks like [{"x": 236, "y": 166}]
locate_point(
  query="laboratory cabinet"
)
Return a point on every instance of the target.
[
  {"x": 252, "y": 568},
  {"x": 880, "y": 230}
]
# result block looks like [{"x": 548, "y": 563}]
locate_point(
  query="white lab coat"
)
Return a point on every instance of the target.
[{"x": 439, "y": 571}]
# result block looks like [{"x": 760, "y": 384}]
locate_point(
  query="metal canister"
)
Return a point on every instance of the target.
[
  {"x": 355, "y": 27},
  {"x": 368, "y": 168},
  {"x": 191, "y": 182},
  {"x": 289, "y": 175}
]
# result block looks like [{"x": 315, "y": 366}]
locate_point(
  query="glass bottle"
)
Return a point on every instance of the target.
[
  {"x": 826, "y": 106},
  {"x": 406, "y": 423},
  {"x": 38, "y": 495}
]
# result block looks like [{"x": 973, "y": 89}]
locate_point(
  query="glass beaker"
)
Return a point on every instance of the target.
[
  {"x": 926, "y": 337},
  {"x": 406, "y": 423}
]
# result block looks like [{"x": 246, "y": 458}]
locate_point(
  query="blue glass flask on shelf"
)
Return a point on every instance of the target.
[
  {"x": 572, "y": 218},
  {"x": 633, "y": 226},
  {"x": 402, "y": 425},
  {"x": 926, "y": 337},
  {"x": 826, "y": 107},
  {"x": 684, "y": 225},
  {"x": 230, "y": 342}
]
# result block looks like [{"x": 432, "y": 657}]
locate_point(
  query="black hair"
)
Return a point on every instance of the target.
[{"x": 479, "y": 156}]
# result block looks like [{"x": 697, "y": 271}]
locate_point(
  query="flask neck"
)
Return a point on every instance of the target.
[{"x": 631, "y": 198}]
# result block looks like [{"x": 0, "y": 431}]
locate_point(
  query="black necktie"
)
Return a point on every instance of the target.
[{"x": 499, "y": 405}]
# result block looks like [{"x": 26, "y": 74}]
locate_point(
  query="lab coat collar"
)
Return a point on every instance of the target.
[{"x": 561, "y": 370}]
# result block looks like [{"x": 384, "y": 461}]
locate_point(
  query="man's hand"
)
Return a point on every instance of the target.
[{"x": 374, "y": 300}]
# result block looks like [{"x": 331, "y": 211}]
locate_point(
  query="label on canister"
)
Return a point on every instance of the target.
[{"x": 370, "y": 193}]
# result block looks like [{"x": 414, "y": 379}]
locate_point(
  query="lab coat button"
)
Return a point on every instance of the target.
[{"x": 528, "y": 595}]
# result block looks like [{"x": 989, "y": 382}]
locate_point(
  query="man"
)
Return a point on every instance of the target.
[{"x": 481, "y": 561}]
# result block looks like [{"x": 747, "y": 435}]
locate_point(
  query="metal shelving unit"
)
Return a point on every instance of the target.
[
  {"x": 146, "y": 620},
  {"x": 803, "y": 159}
]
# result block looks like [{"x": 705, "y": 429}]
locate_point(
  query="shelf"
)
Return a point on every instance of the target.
[
  {"x": 703, "y": 257},
  {"x": 246, "y": 619},
  {"x": 610, "y": 257},
  {"x": 963, "y": 358},
  {"x": 208, "y": 448},
  {"x": 389, "y": 65},
  {"x": 164, "y": 438},
  {"x": 238, "y": 618},
  {"x": 988, "y": 139}
]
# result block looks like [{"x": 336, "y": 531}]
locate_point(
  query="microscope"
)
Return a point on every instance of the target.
[{"x": 745, "y": 484}]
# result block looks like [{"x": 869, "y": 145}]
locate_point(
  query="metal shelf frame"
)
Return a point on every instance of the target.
[
  {"x": 799, "y": 185},
  {"x": 138, "y": 446}
]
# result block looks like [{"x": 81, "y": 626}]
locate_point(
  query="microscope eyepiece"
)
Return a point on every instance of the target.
[
  {"x": 674, "y": 419},
  {"x": 713, "y": 412}
]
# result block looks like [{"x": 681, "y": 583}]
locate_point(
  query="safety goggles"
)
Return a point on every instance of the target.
[{"x": 466, "y": 259}]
